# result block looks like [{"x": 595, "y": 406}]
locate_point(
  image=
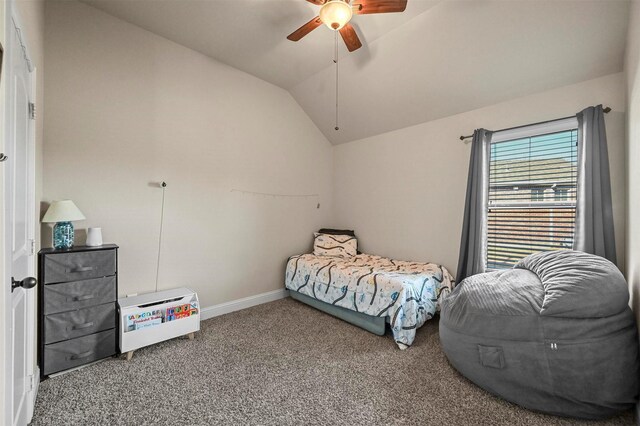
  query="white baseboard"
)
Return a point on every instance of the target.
[{"x": 244, "y": 303}]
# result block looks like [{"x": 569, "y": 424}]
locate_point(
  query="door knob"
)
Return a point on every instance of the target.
[{"x": 26, "y": 283}]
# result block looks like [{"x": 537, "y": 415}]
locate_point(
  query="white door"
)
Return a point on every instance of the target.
[{"x": 19, "y": 226}]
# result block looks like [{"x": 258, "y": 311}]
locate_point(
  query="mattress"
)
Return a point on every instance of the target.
[{"x": 406, "y": 293}]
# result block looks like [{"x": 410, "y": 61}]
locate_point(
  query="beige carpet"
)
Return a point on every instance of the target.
[{"x": 281, "y": 363}]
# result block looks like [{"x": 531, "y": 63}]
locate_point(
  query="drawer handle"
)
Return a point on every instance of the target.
[
  {"x": 80, "y": 326},
  {"x": 80, "y": 356},
  {"x": 80, "y": 269},
  {"x": 81, "y": 298}
]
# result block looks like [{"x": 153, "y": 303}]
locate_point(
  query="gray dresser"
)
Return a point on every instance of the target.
[{"x": 77, "y": 303}]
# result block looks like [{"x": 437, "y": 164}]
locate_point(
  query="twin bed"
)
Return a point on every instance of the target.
[{"x": 366, "y": 290}]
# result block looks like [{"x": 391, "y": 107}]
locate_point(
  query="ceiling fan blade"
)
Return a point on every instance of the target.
[
  {"x": 365, "y": 7},
  {"x": 305, "y": 29},
  {"x": 350, "y": 38},
  {"x": 318, "y": 2}
]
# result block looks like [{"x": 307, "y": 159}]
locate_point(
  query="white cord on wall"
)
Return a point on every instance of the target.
[
  {"x": 164, "y": 186},
  {"x": 274, "y": 195}
]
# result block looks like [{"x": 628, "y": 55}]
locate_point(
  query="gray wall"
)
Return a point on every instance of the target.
[
  {"x": 127, "y": 109},
  {"x": 403, "y": 191},
  {"x": 632, "y": 67}
]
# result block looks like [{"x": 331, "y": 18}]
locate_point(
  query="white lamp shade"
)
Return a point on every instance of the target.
[{"x": 62, "y": 211}]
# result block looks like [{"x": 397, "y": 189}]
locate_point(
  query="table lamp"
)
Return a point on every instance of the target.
[{"x": 62, "y": 213}]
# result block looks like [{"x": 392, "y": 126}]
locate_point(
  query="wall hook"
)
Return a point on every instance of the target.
[{"x": 3, "y": 157}]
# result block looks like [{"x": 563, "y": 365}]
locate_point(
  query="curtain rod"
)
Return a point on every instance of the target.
[{"x": 606, "y": 110}]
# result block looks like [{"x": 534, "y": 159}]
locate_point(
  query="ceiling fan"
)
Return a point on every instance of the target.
[{"x": 336, "y": 15}]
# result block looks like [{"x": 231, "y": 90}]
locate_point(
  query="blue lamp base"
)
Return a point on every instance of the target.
[{"x": 63, "y": 235}]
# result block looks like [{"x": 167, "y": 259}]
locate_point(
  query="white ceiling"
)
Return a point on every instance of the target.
[
  {"x": 251, "y": 34},
  {"x": 436, "y": 59}
]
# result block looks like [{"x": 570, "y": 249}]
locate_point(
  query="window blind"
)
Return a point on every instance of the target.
[{"x": 532, "y": 196}]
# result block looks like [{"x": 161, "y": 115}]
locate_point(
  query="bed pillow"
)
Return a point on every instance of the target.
[
  {"x": 335, "y": 245},
  {"x": 340, "y": 232}
]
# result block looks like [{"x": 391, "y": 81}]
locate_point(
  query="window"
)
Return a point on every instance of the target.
[
  {"x": 532, "y": 191},
  {"x": 561, "y": 194},
  {"x": 537, "y": 194}
]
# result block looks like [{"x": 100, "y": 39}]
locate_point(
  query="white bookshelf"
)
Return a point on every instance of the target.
[{"x": 144, "y": 333}]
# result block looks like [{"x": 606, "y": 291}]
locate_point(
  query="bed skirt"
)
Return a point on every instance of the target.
[{"x": 375, "y": 325}]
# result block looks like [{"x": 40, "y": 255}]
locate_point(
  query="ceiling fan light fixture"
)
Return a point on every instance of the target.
[{"x": 335, "y": 14}]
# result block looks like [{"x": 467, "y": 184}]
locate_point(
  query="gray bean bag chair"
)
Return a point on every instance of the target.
[{"x": 554, "y": 334}]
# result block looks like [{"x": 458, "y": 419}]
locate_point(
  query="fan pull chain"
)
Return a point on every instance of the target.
[{"x": 335, "y": 61}]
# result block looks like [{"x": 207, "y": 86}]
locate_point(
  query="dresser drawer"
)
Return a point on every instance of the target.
[
  {"x": 64, "y": 267},
  {"x": 80, "y": 351},
  {"x": 69, "y": 325},
  {"x": 78, "y": 294}
]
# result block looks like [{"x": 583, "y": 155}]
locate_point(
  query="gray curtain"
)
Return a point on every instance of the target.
[
  {"x": 594, "y": 216},
  {"x": 473, "y": 247}
]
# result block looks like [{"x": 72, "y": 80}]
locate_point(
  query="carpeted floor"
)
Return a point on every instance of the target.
[{"x": 282, "y": 363}]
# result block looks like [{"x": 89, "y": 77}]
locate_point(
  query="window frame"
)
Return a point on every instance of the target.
[{"x": 535, "y": 130}]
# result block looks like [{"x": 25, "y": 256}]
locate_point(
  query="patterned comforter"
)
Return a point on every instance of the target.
[{"x": 408, "y": 293}]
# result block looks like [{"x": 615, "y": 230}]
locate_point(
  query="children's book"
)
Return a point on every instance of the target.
[
  {"x": 143, "y": 320},
  {"x": 181, "y": 311}
]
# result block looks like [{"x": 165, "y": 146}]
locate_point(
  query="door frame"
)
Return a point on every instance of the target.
[{"x": 12, "y": 22}]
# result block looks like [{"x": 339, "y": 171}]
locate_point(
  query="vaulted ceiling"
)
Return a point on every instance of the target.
[{"x": 436, "y": 59}]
